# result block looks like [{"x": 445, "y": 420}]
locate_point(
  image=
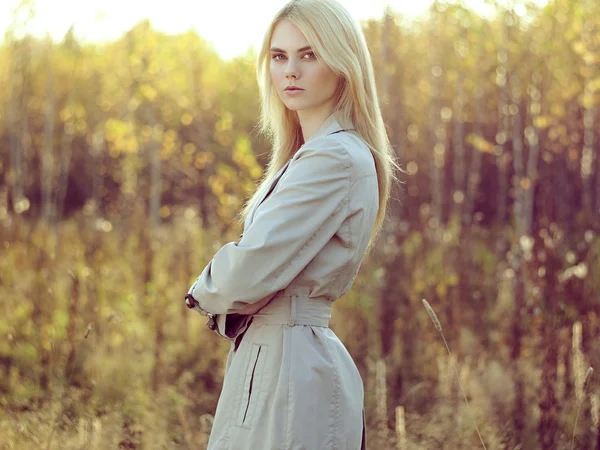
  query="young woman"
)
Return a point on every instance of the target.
[{"x": 289, "y": 382}]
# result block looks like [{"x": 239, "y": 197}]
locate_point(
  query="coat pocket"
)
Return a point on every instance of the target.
[{"x": 252, "y": 385}]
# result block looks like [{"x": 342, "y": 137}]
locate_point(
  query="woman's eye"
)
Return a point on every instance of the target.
[{"x": 276, "y": 57}]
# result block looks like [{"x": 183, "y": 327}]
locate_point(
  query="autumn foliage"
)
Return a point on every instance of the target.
[{"x": 122, "y": 168}]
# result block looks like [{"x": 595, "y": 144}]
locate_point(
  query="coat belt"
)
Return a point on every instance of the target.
[{"x": 294, "y": 309}]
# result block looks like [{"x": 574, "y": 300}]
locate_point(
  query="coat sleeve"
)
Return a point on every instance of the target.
[{"x": 288, "y": 230}]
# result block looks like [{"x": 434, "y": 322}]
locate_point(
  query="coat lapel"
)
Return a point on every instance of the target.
[{"x": 266, "y": 192}]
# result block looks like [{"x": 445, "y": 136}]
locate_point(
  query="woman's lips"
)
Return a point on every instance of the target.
[{"x": 293, "y": 91}]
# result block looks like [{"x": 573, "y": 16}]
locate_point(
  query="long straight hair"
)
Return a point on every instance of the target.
[{"x": 339, "y": 43}]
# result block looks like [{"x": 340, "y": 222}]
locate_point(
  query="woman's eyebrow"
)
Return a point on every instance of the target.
[{"x": 275, "y": 49}]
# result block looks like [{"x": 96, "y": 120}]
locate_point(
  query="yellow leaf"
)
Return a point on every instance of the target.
[
  {"x": 579, "y": 47},
  {"x": 542, "y": 121},
  {"x": 200, "y": 161},
  {"x": 66, "y": 114},
  {"x": 165, "y": 211},
  {"x": 186, "y": 119},
  {"x": 242, "y": 153},
  {"x": 256, "y": 172},
  {"x": 587, "y": 101},
  {"x": 148, "y": 91},
  {"x": 225, "y": 123},
  {"x": 557, "y": 109},
  {"x": 453, "y": 279},
  {"x": 441, "y": 289},
  {"x": 189, "y": 148},
  {"x": 480, "y": 143},
  {"x": 81, "y": 127},
  {"x": 525, "y": 183}
]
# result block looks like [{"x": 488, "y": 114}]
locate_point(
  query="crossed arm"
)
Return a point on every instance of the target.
[{"x": 289, "y": 229}]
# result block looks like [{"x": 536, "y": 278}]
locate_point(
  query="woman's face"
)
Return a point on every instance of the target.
[{"x": 294, "y": 63}]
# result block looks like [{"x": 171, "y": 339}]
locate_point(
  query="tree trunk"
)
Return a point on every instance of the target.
[
  {"x": 519, "y": 181},
  {"x": 200, "y": 137},
  {"x": 153, "y": 151},
  {"x": 502, "y": 74},
  {"x": 155, "y": 183},
  {"x": 15, "y": 174},
  {"x": 501, "y": 156},
  {"x": 437, "y": 128},
  {"x": 131, "y": 209},
  {"x": 589, "y": 108},
  {"x": 533, "y": 141},
  {"x": 458, "y": 139},
  {"x": 94, "y": 162},
  {"x": 66, "y": 152},
  {"x": 587, "y": 158},
  {"x": 511, "y": 97},
  {"x": 47, "y": 154},
  {"x": 475, "y": 170}
]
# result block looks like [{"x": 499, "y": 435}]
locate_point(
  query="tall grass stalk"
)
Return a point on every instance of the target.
[
  {"x": 381, "y": 396},
  {"x": 400, "y": 428},
  {"x": 438, "y": 327},
  {"x": 586, "y": 383}
]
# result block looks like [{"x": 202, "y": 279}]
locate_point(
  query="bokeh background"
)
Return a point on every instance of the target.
[{"x": 128, "y": 143}]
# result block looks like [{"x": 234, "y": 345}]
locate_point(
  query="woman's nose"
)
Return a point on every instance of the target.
[{"x": 291, "y": 70}]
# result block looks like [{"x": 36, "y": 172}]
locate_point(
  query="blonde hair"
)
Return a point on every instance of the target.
[{"x": 338, "y": 41}]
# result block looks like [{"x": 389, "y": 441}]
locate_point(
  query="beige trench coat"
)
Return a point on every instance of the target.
[{"x": 289, "y": 382}]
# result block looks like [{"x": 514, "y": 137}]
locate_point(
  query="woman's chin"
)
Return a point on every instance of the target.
[
  {"x": 291, "y": 102},
  {"x": 291, "y": 106}
]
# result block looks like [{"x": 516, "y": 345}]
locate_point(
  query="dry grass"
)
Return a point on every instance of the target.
[
  {"x": 438, "y": 327},
  {"x": 111, "y": 401}
]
